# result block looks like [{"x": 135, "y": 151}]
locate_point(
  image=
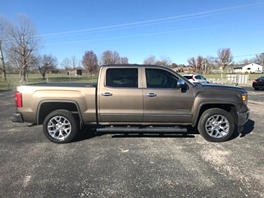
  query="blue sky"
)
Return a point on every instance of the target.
[{"x": 177, "y": 29}]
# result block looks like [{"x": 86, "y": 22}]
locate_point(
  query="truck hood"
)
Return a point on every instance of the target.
[{"x": 219, "y": 87}]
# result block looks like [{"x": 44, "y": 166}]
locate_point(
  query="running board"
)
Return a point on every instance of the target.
[{"x": 141, "y": 129}]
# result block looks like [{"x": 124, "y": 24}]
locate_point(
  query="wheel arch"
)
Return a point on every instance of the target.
[
  {"x": 47, "y": 106},
  {"x": 230, "y": 108}
]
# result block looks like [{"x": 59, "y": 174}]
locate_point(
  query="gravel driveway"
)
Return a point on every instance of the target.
[{"x": 115, "y": 165}]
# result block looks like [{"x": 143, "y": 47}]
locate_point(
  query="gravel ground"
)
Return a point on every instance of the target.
[{"x": 114, "y": 165}]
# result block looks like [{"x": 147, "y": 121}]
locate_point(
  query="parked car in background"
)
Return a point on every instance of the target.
[
  {"x": 195, "y": 78},
  {"x": 256, "y": 72},
  {"x": 258, "y": 83}
]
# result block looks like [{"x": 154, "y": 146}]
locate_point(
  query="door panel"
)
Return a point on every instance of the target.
[
  {"x": 169, "y": 105},
  {"x": 120, "y": 99},
  {"x": 163, "y": 103}
]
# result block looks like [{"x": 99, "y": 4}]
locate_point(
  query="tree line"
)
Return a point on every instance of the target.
[{"x": 19, "y": 45}]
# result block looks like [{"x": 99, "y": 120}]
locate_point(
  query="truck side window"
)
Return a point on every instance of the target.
[
  {"x": 122, "y": 77},
  {"x": 158, "y": 78}
]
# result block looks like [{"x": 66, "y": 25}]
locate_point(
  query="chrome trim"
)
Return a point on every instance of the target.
[
  {"x": 107, "y": 94},
  {"x": 154, "y": 115},
  {"x": 111, "y": 114},
  {"x": 151, "y": 95}
]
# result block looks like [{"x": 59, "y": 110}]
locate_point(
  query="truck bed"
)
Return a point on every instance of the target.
[{"x": 59, "y": 84}]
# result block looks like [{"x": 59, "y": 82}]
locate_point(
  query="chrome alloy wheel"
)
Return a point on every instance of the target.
[
  {"x": 59, "y": 127},
  {"x": 217, "y": 126}
]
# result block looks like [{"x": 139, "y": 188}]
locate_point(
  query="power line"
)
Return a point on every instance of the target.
[
  {"x": 154, "y": 21},
  {"x": 153, "y": 33}
]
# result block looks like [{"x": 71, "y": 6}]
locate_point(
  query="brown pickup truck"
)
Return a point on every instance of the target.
[{"x": 133, "y": 98}]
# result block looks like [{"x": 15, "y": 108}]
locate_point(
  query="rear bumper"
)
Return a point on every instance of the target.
[{"x": 17, "y": 117}]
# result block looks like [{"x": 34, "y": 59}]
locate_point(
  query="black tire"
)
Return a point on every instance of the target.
[
  {"x": 211, "y": 129},
  {"x": 256, "y": 88},
  {"x": 60, "y": 126}
]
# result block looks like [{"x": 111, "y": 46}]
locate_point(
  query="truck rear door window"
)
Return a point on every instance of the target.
[{"x": 122, "y": 77}]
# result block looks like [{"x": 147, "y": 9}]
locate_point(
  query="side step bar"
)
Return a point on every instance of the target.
[{"x": 141, "y": 129}]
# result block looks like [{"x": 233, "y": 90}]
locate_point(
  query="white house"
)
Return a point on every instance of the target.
[{"x": 252, "y": 68}]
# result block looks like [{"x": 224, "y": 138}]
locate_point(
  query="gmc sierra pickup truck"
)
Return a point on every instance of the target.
[{"x": 133, "y": 98}]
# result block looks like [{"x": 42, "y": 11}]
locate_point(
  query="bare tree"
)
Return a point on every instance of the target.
[
  {"x": 151, "y": 60},
  {"x": 164, "y": 61},
  {"x": 110, "y": 57},
  {"x": 197, "y": 64},
  {"x": 23, "y": 40},
  {"x": 192, "y": 63},
  {"x": 123, "y": 60},
  {"x": 209, "y": 64},
  {"x": 90, "y": 61},
  {"x": 225, "y": 57},
  {"x": 260, "y": 59},
  {"x": 66, "y": 64},
  {"x": 14, "y": 58},
  {"x": 246, "y": 61},
  {"x": 47, "y": 63},
  {"x": 3, "y": 36},
  {"x": 74, "y": 62}
]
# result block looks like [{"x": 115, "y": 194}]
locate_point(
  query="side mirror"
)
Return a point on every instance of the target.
[{"x": 182, "y": 85}]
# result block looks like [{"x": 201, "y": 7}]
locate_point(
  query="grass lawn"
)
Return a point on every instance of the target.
[{"x": 13, "y": 81}]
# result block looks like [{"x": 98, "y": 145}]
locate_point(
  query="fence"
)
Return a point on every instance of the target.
[{"x": 231, "y": 79}]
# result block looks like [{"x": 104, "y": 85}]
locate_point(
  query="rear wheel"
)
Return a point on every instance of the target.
[
  {"x": 256, "y": 88},
  {"x": 60, "y": 126},
  {"x": 216, "y": 125}
]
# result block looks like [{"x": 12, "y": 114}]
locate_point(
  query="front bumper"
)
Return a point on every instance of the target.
[
  {"x": 17, "y": 117},
  {"x": 242, "y": 118}
]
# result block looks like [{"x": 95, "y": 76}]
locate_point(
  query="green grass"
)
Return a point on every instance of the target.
[{"x": 13, "y": 81}]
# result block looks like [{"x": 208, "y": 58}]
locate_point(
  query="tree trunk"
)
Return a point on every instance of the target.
[
  {"x": 3, "y": 62},
  {"x": 23, "y": 74}
]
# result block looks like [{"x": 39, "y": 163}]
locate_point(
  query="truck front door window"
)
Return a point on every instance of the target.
[{"x": 157, "y": 78}]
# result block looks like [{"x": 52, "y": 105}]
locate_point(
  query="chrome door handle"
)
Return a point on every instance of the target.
[
  {"x": 151, "y": 95},
  {"x": 106, "y": 94}
]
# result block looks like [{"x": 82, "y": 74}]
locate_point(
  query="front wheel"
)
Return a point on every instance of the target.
[
  {"x": 60, "y": 126},
  {"x": 216, "y": 125}
]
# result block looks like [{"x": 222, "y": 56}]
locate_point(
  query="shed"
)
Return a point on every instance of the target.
[{"x": 76, "y": 72}]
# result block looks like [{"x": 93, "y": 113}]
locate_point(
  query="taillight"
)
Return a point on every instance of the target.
[
  {"x": 254, "y": 81},
  {"x": 193, "y": 78},
  {"x": 18, "y": 98}
]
